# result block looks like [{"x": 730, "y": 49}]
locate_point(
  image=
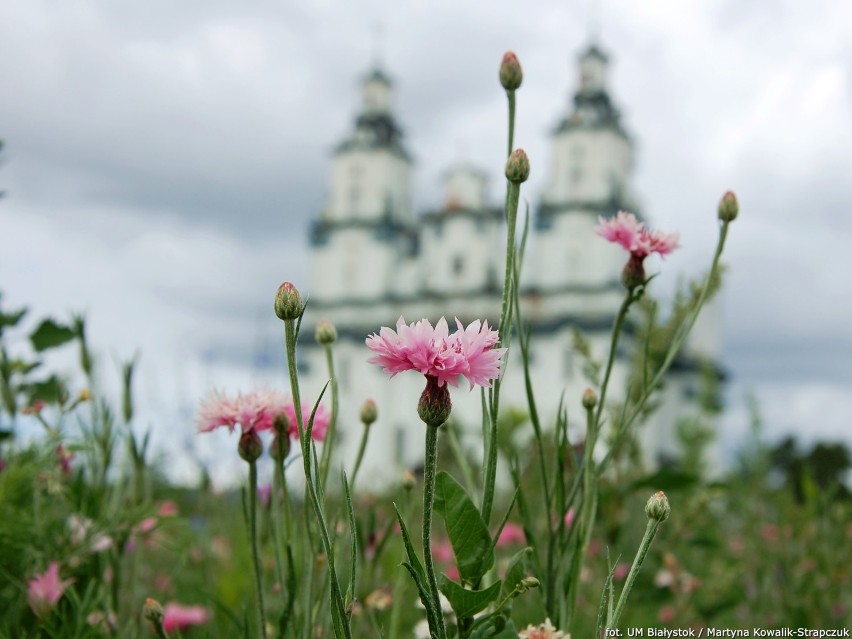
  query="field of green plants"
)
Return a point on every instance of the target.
[{"x": 533, "y": 536}]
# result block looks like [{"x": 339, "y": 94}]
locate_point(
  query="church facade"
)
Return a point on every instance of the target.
[{"x": 374, "y": 259}]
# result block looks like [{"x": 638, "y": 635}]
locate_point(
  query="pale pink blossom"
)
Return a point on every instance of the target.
[
  {"x": 178, "y": 617},
  {"x": 65, "y": 457},
  {"x": 45, "y": 590},
  {"x": 434, "y": 352},
  {"x": 257, "y": 411},
  {"x": 167, "y": 508},
  {"x": 569, "y": 517},
  {"x": 635, "y": 237},
  {"x": 264, "y": 493},
  {"x": 542, "y": 631},
  {"x": 322, "y": 418},
  {"x": 511, "y": 535},
  {"x": 621, "y": 571}
]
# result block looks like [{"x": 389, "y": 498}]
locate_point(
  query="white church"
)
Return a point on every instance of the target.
[{"x": 374, "y": 259}]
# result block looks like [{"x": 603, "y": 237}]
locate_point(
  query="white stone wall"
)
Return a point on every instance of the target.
[
  {"x": 459, "y": 253},
  {"x": 364, "y": 184}
]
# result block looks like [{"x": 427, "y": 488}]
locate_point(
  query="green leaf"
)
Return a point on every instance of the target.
[
  {"x": 50, "y": 390},
  {"x": 11, "y": 319},
  {"x": 466, "y": 603},
  {"x": 466, "y": 529},
  {"x": 493, "y": 627},
  {"x": 415, "y": 569},
  {"x": 517, "y": 570},
  {"x": 49, "y": 334}
]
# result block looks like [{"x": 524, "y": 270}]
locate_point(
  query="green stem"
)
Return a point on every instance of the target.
[
  {"x": 430, "y": 471},
  {"x": 328, "y": 444},
  {"x": 674, "y": 349},
  {"x": 511, "y": 97},
  {"x": 307, "y": 457},
  {"x": 650, "y": 533},
  {"x": 254, "y": 550},
  {"x": 360, "y": 456}
]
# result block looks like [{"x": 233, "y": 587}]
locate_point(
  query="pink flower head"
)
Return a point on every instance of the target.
[
  {"x": 635, "y": 237},
  {"x": 178, "y": 617},
  {"x": 468, "y": 352},
  {"x": 65, "y": 457},
  {"x": 46, "y": 590},
  {"x": 256, "y": 411},
  {"x": 321, "y": 420},
  {"x": 569, "y": 517},
  {"x": 168, "y": 508},
  {"x": 510, "y": 535}
]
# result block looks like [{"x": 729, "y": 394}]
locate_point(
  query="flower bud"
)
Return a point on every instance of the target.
[
  {"x": 434, "y": 406},
  {"x": 326, "y": 333},
  {"x": 658, "y": 507},
  {"x": 369, "y": 412},
  {"x": 518, "y": 167},
  {"x": 250, "y": 447},
  {"x": 280, "y": 447},
  {"x": 729, "y": 207},
  {"x": 511, "y": 74},
  {"x": 530, "y": 582},
  {"x": 288, "y": 302},
  {"x": 590, "y": 399},
  {"x": 85, "y": 395},
  {"x": 153, "y": 611},
  {"x": 633, "y": 274}
]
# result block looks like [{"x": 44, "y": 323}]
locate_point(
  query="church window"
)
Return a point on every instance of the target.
[
  {"x": 354, "y": 197},
  {"x": 458, "y": 265}
]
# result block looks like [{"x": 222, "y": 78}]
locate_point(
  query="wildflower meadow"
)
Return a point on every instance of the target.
[{"x": 533, "y": 533}]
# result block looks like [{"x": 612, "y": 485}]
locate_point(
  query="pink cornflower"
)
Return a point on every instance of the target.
[
  {"x": 434, "y": 352},
  {"x": 322, "y": 418},
  {"x": 510, "y": 535},
  {"x": 178, "y": 617},
  {"x": 635, "y": 237},
  {"x": 65, "y": 457},
  {"x": 46, "y": 590},
  {"x": 256, "y": 411}
]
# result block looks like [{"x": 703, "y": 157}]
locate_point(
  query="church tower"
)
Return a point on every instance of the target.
[
  {"x": 366, "y": 225},
  {"x": 591, "y": 163}
]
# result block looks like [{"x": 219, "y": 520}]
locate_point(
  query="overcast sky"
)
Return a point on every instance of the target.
[{"x": 163, "y": 160}]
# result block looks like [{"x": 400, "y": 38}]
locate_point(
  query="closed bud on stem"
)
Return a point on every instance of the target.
[
  {"x": 250, "y": 446},
  {"x": 288, "y": 302},
  {"x": 658, "y": 507},
  {"x": 729, "y": 207},
  {"x": 518, "y": 167},
  {"x": 633, "y": 274},
  {"x": 280, "y": 447},
  {"x": 590, "y": 399},
  {"x": 530, "y": 582},
  {"x": 511, "y": 74},
  {"x": 434, "y": 406},
  {"x": 326, "y": 333},
  {"x": 369, "y": 412},
  {"x": 153, "y": 611}
]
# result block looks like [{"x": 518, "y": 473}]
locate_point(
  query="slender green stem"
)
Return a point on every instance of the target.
[
  {"x": 511, "y": 97},
  {"x": 258, "y": 577},
  {"x": 360, "y": 456},
  {"x": 674, "y": 349},
  {"x": 613, "y": 347},
  {"x": 328, "y": 444},
  {"x": 307, "y": 459},
  {"x": 430, "y": 471},
  {"x": 650, "y": 533}
]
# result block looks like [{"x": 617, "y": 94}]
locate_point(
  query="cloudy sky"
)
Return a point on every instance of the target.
[{"x": 163, "y": 160}]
